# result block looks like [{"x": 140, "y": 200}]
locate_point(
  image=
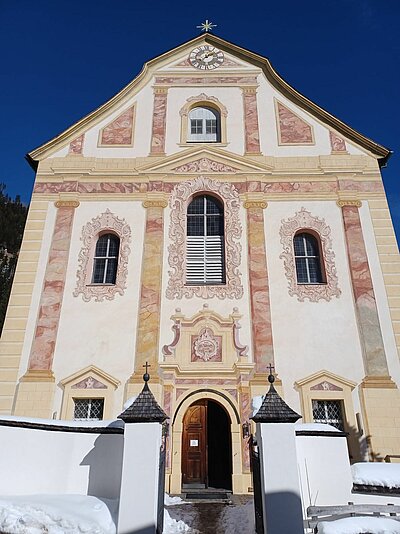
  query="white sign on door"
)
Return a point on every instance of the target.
[{"x": 194, "y": 442}]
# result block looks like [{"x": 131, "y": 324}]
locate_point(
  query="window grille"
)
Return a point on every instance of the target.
[
  {"x": 204, "y": 125},
  {"x": 105, "y": 260},
  {"x": 308, "y": 261},
  {"x": 205, "y": 254},
  {"x": 328, "y": 412},
  {"x": 88, "y": 409}
]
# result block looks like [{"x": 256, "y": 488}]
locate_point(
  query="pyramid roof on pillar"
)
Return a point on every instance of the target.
[
  {"x": 144, "y": 409},
  {"x": 275, "y": 410},
  {"x": 239, "y": 59}
]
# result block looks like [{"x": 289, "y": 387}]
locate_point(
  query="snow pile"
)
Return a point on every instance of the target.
[
  {"x": 171, "y": 501},
  {"x": 256, "y": 403},
  {"x": 60, "y": 422},
  {"x": 175, "y": 526},
  {"x": 376, "y": 474},
  {"x": 315, "y": 427},
  {"x": 238, "y": 519},
  {"x": 359, "y": 525},
  {"x": 57, "y": 514}
]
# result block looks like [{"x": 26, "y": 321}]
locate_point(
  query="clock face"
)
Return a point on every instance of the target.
[{"x": 206, "y": 57}]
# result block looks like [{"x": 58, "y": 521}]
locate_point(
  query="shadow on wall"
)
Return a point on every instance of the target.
[
  {"x": 360, "y": 448},
  {"x": 105, "y": 466}
]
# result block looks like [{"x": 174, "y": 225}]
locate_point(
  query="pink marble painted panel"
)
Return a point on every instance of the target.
[
  {"x": 119, "y": 131},
  {"x": 371, "y": 335},
  {"x": 252, "y": 135},
  {"x": 293, "y": 129},
  {"x": 76, "y": 146},
  {"x": 179, "y": 392},
  {"x": 259, "y": 290},
  {"x": 43, "y": 345},
  {"x": 233, "y": 393},
  {"x": 300, "y": 187},
  {"x": 245, "y": 414},
  {"x": 51, "y": 187},
  {"x": 209, "y": 80},
  {"x": 337, "y": 143},
  {"x": 215, "y": 381},
  {"x": 110, "y": 187},
  {"x": 361, "y": 186},
  {"x": 159, "y": 123}
]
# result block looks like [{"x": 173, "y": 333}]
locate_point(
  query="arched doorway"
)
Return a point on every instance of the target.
[{"x": 206, "y": 446}]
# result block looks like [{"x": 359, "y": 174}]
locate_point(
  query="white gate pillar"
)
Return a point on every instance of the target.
[
  {"x": 280, "y": 483},
  {"x": 139, "y": 501}
]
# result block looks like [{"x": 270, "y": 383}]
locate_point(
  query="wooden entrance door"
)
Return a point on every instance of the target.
[{"x": 194, "y": 444}]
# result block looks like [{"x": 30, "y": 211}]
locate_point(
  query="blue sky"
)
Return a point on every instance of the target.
[{"x": 61, "y": 59}]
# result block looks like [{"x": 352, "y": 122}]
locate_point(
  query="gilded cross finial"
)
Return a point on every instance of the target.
[{"x": 206, "y": 26}]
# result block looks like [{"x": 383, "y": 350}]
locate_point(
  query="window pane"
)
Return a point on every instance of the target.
[
  {"x": 211, "y": 126},
  {"x": 195, "y": 225},
  {"x": 301, "y": 270},
  {"x": 298, "y": 244},
  {"x": 96, "y": 409},
  {"x": 114, "y": 246},
  {"x": 215, "y": 225},
  {"x": 312, "y": 245},
  {"x": 98, "y": 270},
  {"x": 101, "y": 246},
  {"x": 328, "y": 412},
  {"x": 196, "y": 126},
  {"x": 111, "y": 273},
  {"x": 314, "y": 270},
  {"x": 196, "y": 206},
  {"x": 214, "y": 206}
]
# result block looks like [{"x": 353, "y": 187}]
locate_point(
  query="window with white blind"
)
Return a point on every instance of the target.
[
  {"x": 105, "y": 261},
  {"x": 204, "y": 125},
  {"x": 308, "y": 259},
  {"x": 205, "y": 250},
  {"x": 85, "y": 409}
]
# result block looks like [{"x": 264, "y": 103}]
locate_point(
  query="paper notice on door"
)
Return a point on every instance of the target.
[{"x": 194, "y": 442}]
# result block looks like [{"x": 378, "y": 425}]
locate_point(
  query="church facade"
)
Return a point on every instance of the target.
[{"x": 211, "y": 221}]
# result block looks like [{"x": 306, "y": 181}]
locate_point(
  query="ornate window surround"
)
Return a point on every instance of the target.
[
  {"x": 179, "y": 200},
  {"x": 105, "y": 223},
  {"x": 207, "y": 101},
  {"x": 305, "y": 222}
]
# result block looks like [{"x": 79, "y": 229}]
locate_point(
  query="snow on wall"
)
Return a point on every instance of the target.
[{"x": 55, "y": 462}]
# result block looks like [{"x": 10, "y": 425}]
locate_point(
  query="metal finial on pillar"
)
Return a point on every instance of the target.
[
  {"x": 271, "y": 377},
  {"x": 146, "y": 376}
]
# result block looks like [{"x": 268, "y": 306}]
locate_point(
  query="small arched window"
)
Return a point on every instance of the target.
[
  {"x": 204, "y": 125},
  {"x": 105, "y": 261},
  {"x": 308, "y": 259},
  {"x": 205, "y": 256}
]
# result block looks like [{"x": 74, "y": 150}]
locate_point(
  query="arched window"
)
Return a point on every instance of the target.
[
  {"x": 205, "y": 257},
  {"x": 204, "y": 125},
  {"x": 105, "y": 261},
  {"x": 308, "y": 259}
]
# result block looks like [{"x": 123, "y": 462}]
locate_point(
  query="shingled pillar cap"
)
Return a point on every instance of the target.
[
  {"x": 145, "y": 408},
  {"x": 273, "y": 408}
]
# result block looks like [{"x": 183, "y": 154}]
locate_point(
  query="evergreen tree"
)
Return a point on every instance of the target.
[{"x": 12, "y": 222}]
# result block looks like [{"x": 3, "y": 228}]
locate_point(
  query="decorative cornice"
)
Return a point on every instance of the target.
[
  {"x": 38, "y": 375},
  {"x": 255, "y": 204},
  {"x": 342, "y": 203},
  {"x": 378, "y": 382},
  {"x": 66, "y": 203},
  {"x": 250, "y": 90},
  {"x": 155, "y": 203}
]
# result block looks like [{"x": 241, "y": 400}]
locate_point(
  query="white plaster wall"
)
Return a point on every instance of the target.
[
  {"x": 230, "y": 97},
  {"x": 380, "y": 293},
  {"x": 100, "y": 333},
  {"x": 37, "y": 288},
  {"x": 311, "y": 336},
  {"x": 40, "y": 461},
  {"x": 195, "y": 304}
]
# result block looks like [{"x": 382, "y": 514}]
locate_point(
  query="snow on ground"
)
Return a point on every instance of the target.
[
  {"x": 57, "y": 514},
  {"x": 359, "y": 525},
  {"x": 238, "y": 519},
  {"x": 376, "y": 474},
  {"x": 171, "y": 501}
]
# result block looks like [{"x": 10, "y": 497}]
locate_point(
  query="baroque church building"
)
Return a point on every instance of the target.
[{"x": 212, "y": 221}]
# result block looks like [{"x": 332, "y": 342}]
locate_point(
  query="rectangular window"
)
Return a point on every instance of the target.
[
  {"x": 211, "y": 126},
  {"x": 205, "y": 260},
  {"x": 196, "y": 126},
  {"x": 329, "y": 412},
  {"x": 88, "y": 409}
]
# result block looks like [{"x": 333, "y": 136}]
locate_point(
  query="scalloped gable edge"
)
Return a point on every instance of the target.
[{"x": 382, "y": 153}]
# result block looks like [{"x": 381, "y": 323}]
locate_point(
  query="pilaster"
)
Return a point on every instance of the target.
[
  {"x": 252, "y": 134},
  {"x": 159, "y": 121}
]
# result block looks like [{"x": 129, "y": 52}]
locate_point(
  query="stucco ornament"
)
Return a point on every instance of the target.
[
  {"x": 303, "y": 220},
  {"x": 204, "y": 165},
  {"x": 206, "y": 346},
  {"x": 180, "y": 197},
  {"x": 103, "y": 223}
]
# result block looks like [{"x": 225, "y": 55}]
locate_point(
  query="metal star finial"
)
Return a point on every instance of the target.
[{"x": 206, "y": 26}]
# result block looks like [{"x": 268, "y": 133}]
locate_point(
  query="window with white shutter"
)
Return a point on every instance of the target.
[
  {"x": 204, "y": 125},
  {"x": 205, "y": 250}
]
